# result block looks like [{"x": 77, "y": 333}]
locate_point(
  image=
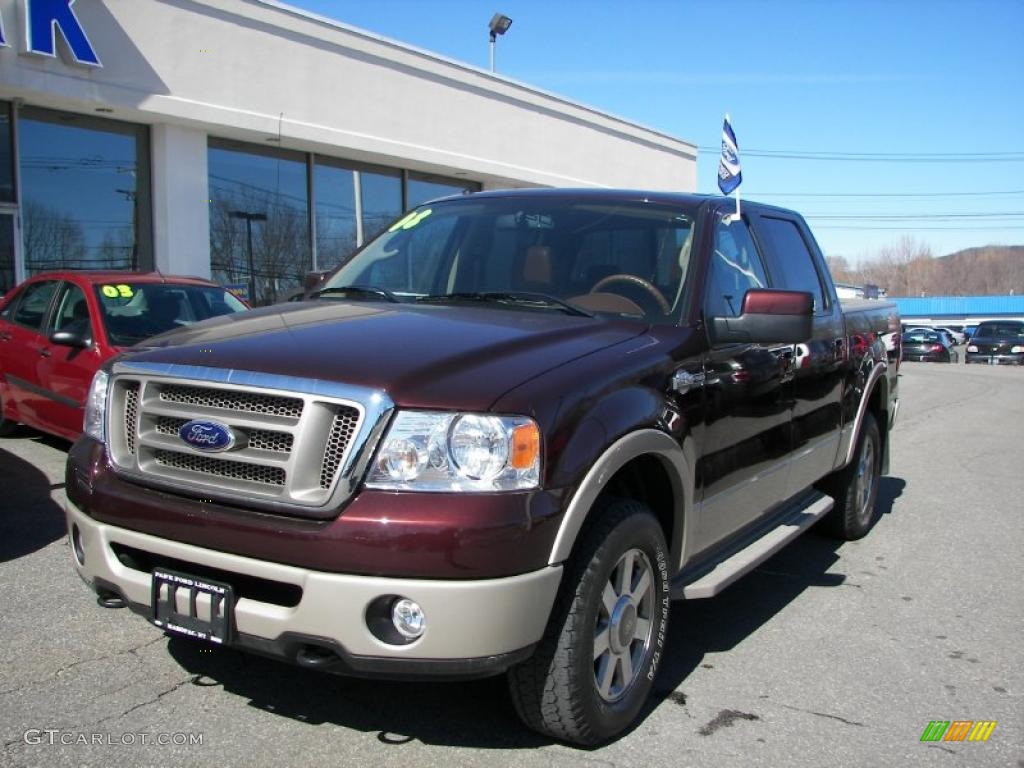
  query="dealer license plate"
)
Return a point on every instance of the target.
[{"x": 192, "y": 606}]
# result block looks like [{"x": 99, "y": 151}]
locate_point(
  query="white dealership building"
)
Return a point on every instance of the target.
[{"x": 201, "y": 136}]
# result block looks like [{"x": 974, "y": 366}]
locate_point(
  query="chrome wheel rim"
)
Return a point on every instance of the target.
[
  {"x": 624, "y": 625},
  {"x": 865, "y": 482}
]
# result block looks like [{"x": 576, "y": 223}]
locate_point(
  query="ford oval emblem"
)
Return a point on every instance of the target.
[{"x": 208, "y": 436}]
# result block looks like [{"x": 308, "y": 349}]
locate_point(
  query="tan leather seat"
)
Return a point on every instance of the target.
[{"x": 537, "y": 270}]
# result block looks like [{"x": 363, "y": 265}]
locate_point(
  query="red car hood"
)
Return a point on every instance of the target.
[{"x": 428, "y": 356}]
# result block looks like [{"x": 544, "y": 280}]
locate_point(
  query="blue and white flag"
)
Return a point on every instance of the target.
[{"x": 730, "y": 175}]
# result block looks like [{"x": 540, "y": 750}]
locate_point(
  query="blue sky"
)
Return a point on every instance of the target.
[{"x": 932, "y": 91}]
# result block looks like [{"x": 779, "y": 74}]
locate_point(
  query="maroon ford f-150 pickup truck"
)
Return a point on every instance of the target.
[{"x": 500, "y": 438}]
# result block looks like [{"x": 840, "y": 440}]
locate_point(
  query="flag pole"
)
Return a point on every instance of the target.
[{"x": 729, "y": 174}]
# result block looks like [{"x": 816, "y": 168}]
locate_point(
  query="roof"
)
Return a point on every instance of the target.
[{"x": 117, "y": 276}]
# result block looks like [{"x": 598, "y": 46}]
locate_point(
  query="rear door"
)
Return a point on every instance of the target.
[
  {"x": 795, "y": 263},
  {"x": 22, "y": 343}
]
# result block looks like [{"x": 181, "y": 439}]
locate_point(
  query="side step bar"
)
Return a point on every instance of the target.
[{"x": 755, "y": 553}]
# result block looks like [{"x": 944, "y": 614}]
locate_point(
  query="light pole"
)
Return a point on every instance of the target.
[
  {"x": 499, "y": 26},
  {"x": 250, "y": 217}
]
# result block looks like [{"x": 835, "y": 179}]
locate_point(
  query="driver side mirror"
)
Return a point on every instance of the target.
[
  {"x": 767, "y": 317},
  {"x": 75, "y": 339}
]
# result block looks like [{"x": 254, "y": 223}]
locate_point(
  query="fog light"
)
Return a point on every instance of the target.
[
  {"x": 408, "y": 618},
  {"x": 76, "y": 545}
]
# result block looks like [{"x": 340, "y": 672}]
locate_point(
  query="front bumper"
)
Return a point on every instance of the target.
[
  {"x": 474, "y": 627},
  {"x": 987, "y": 359}
]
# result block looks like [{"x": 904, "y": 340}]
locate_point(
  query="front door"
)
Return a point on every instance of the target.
[{"x": 742, "y": 473}]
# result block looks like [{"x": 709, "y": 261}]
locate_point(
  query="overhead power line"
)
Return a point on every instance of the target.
[
  {"x": 879, "y": 157},
  {"x": 989, "y": 193}
]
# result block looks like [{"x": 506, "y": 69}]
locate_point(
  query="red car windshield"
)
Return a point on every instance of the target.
[{"x": 135, "y": 311}]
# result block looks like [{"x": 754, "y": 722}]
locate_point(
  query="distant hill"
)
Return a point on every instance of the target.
[{"x": 910, "y": 270}]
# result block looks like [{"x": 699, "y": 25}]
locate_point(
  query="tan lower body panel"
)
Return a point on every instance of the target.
[{"x": 465, "y": 619}]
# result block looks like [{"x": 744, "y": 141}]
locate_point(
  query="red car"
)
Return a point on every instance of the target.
[{"x": 58, "y": 328}]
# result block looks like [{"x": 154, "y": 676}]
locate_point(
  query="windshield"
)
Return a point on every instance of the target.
[
  {"x": 135, "y": 311},
  {"x": 1001, "y": 330},
  {"x": 920, "y": 337},
  {"x": 617, "y": 258}
]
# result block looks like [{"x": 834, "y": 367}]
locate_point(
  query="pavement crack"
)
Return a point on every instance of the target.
[
  {"x": 944, "y": 749},
  {"x": 180, "y": 684},
  {"x": 60, "y": 671},
  {"x": 824, "y": 714}
]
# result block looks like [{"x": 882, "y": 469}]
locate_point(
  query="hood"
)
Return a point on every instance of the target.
[{"x": 431, "y": 356}]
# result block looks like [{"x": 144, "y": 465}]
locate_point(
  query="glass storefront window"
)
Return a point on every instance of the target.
[
  {"x": 85, "y": 192},
  {"x": 336, "y": 231},
  {"x": 423, "y": 188},
  {"x": 381, "y": 199},
  {"x": 6, "y": 253},
  {"x": 6, "y": 155},
  {"x": 259, "y": 219}
]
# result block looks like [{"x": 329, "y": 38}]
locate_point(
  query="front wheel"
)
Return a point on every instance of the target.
[
  {"x": 594, "y": 667},
  {"x": 855, "y": 487},
  {"x": 7, "y": 426}
]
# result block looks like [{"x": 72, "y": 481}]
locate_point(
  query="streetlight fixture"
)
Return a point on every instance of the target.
[
  {"x": 499, "y": 26},
  {"x": 250, "y": 217}
]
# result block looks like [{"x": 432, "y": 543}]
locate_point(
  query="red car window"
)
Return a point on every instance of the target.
[{"x": 33, "y": 304}]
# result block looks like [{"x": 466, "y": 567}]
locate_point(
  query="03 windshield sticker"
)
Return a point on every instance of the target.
[
  {"x": 410, "y": 221},
  {"x": 120, "y": 291}
]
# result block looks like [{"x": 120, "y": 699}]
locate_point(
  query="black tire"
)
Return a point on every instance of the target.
[
  {"x": 855, "y": 487},
  {"x": 565, "y": 689},
  {"x": 7, "y": 426}
]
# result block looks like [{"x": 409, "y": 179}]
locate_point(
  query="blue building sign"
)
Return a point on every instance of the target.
[{"x": 43, "y": 20}]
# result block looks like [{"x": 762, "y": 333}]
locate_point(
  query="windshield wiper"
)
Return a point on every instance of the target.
[
  {"x": 371, "y": 290},
  {"x": 522, "y": 298}
]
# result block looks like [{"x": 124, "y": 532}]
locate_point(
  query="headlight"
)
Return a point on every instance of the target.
[
  {"x": 429, "y": 451},
  {"x": 971, "y": 348},
  {"x": 1016, "y": 350},
  {"x": 96, "y": 407}
]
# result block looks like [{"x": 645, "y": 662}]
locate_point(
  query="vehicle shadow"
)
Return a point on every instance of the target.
[
  {"x": 699, "y": 627},
  {"x": 30, "y": 518},
  {"x": 479, "y": 714}
]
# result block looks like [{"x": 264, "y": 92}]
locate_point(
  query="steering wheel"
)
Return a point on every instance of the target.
[{"x": 637, "y": 281}]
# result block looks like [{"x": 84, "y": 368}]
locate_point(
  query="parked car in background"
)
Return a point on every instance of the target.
[
  {"x": 997, "y": 342},
  {"x": 954, "y": 333},
  {"x": 928, "y": 346},
  {"x": 58, "y": 328}
]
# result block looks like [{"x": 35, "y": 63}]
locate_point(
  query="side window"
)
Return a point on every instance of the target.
[
  {"x": 735, "y": 268},
  {"x": 791, "y": 263},
  {"x": 31, "y": 309},
  {"x": 73, "y": 312}
]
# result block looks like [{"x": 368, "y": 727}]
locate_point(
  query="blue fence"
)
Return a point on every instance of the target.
[{"x": 961, "y": 306}]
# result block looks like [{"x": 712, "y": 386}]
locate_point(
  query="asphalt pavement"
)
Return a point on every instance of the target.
[{"x": 828, "y": 655}]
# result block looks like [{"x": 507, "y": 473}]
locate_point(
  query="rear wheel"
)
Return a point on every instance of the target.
[
  {"x": 855, "y": 487},
  {"x": 594, "y": 667}
]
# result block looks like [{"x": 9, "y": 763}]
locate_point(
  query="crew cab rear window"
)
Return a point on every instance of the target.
[{"x": 790, "y": 261}]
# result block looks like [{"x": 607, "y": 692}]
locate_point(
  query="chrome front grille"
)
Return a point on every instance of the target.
[
  {"x": 207, "y": 465},
  {"x": 344, "y": 427},
  {"x": 263, "y": 439},
  {"x": 230, "y": 400},
  {"x": 299, "y": 445},
  {"x": 131, "y": 414}
]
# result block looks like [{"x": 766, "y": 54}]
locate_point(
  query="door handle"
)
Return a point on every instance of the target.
[
  {"x": 44, "y": 352},
  {"x": 5, "y": 336}
]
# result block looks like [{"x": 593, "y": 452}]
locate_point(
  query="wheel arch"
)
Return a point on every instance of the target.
[
  {"x": 648, "y": 464},
  {"x": 874, "y": 400}
]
